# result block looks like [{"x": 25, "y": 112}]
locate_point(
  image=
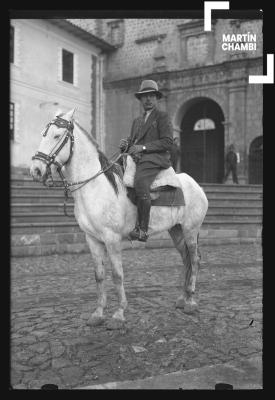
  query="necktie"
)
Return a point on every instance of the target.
[{"x": 146, "y": 115}]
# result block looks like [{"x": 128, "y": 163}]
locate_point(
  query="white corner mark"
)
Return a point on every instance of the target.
[
  {"x": 212, "y": 5},
  {"x": 269, "y": 77}
]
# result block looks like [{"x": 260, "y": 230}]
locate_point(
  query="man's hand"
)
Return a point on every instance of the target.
[
  {"x": 135, "y": 149},
  {"x": 123, "y": 144}
]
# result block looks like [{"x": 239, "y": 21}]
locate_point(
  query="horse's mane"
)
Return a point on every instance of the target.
[{"x": 104, "y": 162}]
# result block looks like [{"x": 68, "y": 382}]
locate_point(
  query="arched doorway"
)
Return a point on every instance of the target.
[
  {"x": 202, "y": 141},
  {"x": 256, "y": 161}
]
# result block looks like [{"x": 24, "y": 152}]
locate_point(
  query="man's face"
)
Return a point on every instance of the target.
[{"x": 148, "y": 101}]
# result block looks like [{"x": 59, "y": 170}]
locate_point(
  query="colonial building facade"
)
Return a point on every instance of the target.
[
  {"x": 206, "y": 89},
  {"x": 205, "y": 86},
  {"x": 53, "y": 65}
]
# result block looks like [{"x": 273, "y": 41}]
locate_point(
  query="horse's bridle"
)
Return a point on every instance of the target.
[{"x": 50, "y": 159}]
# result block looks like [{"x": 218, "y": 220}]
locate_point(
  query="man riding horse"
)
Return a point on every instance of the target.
[{"x": 149, "y": 144}]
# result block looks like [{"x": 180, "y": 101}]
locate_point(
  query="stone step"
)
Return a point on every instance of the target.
[
  {"x": 213, "y": 201},
  {"x": 229, "y": 224},
  {"x": 42, "y": 208},
  {"x": 234, "y": 196},
  {"x": 53, "y": 200},
  {"x": 52, "y": 217},
  {"x": 46, "y": 196},
  {"x": 45, "y": 199},
  {"x": 243, "y": 211},
  {"x": 28, "y": 187},
  {"x": 58, "y": 207},
  {"x": 44, "y": 227},
  {"x": 231, "y": 188},
  {"x": 23, "y": 180},
  {"x": 72, "y": 226},
  {"x": 234, "y": 203},
  {"x": 28, "y": 181},
  {"x": 39, "y": 226},
  {"x": 34, "y": 190},
  {"x": 57, "y": 215},
  {"x": 38, "y": 213},
  {"x": 220, "y": 219},
  {"x": 74, "y": 242}
]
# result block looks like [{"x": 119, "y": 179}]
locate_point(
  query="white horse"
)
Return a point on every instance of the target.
[{"x": 106, "y": 215}]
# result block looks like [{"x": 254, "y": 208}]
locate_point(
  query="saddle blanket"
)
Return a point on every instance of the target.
[
  {"x": 165, "y": 196},
  {"x": 163, "y": 178}
]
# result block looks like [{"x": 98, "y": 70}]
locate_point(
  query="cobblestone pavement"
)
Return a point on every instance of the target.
[{"x": 52, "y": 296}]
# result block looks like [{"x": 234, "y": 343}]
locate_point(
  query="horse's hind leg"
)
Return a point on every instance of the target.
[
  {"x": 188, "y": 248},
  {"x": 192, "y": 266},
  {"x": 176, "y": 234},
  {"x": 114, "y": 251},
  {"x": 99, "y": 254}
]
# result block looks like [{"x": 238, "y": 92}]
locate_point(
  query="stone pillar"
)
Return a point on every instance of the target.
[{"x": 237, "y": 126}]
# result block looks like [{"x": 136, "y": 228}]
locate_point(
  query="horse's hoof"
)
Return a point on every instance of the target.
[
  {"x": 180, "y": 303},
  {"x": 95, "y": 321},
  {"x": 115, "y": 323},
  {"x": 190, "y": 308}
]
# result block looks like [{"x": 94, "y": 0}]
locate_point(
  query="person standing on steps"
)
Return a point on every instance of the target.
[{"x": 231, "y": 160}]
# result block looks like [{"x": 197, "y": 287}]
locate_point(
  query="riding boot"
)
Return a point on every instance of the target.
[
  {"x": 141, "y": 228},
  {"x": 144, "y": 206}
]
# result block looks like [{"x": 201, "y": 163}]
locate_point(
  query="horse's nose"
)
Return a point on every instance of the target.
[{"x": 36, "y": 173}]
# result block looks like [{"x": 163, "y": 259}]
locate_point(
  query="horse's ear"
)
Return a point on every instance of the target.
[
  {"x": 69, "y": 115},
  {"x": 58, "y": 113}
]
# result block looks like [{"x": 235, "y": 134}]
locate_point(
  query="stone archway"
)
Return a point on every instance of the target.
[
  {"x": 202, "y": 140},
  {"x": 256, "y": 161}
]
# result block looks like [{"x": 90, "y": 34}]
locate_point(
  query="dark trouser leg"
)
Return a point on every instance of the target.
[
  {"x": 145, "y": 175},
  {"x": 144, "y": 206},
  {"x": 226, "y": 174},
  {"x": 234, "y": 174}
]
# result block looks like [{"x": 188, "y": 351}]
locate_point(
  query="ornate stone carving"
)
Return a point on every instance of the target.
[{"x": 197, "y": 45}]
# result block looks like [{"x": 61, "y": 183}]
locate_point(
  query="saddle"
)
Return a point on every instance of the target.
[{"x": 164, "y": 191}]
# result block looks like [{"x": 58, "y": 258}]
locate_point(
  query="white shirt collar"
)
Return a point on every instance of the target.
[{"x": 147, "y": 114}]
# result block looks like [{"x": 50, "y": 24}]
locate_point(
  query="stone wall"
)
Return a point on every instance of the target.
[{"x": 170, "y": 44}]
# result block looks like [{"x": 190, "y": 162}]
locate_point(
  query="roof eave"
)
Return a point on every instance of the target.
[{"x": 82, "y": 34}]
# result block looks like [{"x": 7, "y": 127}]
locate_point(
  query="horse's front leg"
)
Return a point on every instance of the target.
[
  {"x": 114, "y": 251},
  {"x": 99, "y": 255}
]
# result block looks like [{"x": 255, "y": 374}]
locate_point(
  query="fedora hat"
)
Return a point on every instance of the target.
[{"x": 148, "y": 86}]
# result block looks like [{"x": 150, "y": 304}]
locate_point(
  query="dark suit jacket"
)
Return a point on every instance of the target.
[
  {"x": 231, "y": 158},
  {"x": 157, "y": 135}
]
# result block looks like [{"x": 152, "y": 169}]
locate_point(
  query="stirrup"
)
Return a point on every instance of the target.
[
  {"x": 138, "y": 234},
  {"x": 143, "y": 236},
  {"x": 134, "y": 234}
]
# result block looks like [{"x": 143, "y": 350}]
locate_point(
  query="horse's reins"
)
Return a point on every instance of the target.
[{"x": 49, "y": 159}]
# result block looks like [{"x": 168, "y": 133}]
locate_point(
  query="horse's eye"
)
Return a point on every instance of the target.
[{"x": 56, "y": 136}]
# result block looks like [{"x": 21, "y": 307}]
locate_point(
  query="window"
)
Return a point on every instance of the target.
[
  {"x": 11, "y": 121},
  {"x": 67, "y": 66},
  {"x": 204, "y": 124},
  {"x": 12, "y": 44}
]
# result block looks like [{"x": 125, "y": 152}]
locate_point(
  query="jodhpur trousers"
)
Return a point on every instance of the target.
[{"x": 145, "y": 175}]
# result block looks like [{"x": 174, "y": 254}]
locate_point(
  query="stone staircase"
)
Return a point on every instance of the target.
[{"x": 39, "y": 226}]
